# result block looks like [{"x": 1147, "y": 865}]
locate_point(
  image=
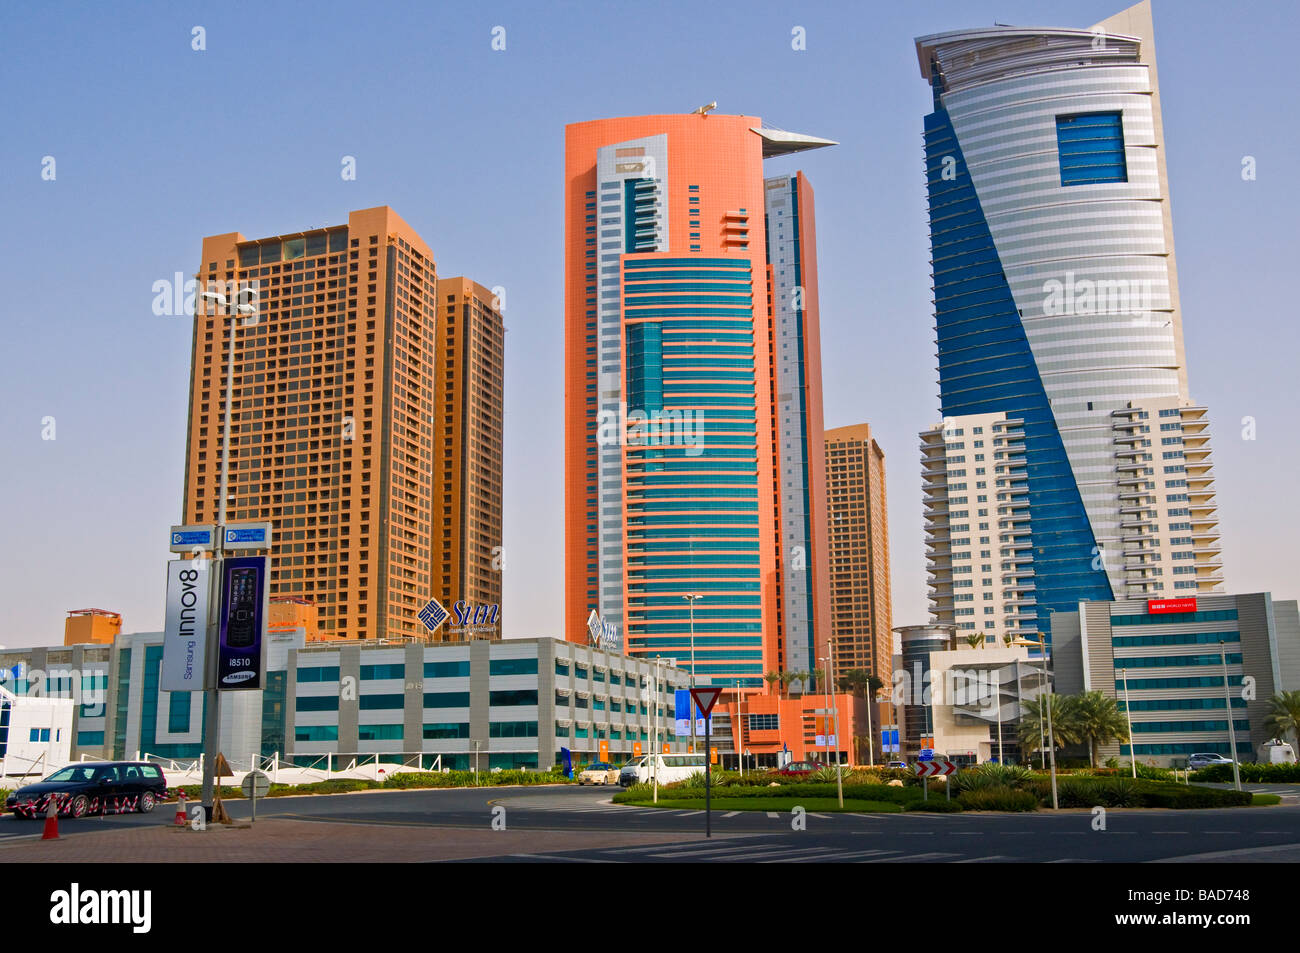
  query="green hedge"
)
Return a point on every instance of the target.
[
  {"x": 468, "y": 779},
  {"x": 936, "y": 805},
  {"x": 1251, "y": 773},
  {"x": 997, "y": 799},
  {"x": 856, "y": 792}
]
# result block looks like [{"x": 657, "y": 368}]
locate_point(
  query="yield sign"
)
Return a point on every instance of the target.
[
  {"x": 705, "y": 698},
  {"x": 939, "y": 767}
]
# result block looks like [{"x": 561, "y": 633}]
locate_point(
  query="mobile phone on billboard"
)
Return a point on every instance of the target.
[{"x": 242, "y": 608}]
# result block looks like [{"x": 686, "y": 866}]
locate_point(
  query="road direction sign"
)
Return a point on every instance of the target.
[
  {"x": 705, "y": 698},
  {"x": 938, "y": 768}
]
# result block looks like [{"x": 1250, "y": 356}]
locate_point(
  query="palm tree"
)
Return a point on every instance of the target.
[
  {"x": 975, "y": 640},
  {"x": 1096, "y": 721},
  {"x": 772, "y": 678},
  {"x": 860, "y": 682},
  {"x": 786, "y": 679},
  {"x": 1033, "y": 723},
  {"x": 803, "y": 677},
  {"x": 1283, "y": 717}
]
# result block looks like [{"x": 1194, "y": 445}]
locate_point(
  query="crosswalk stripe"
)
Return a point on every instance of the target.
[
  {"x": 772, "y": 814},
  {"x": 822, "y": 817},
  {"x": 717, "y": 851},
  {"x": 982, "y": 860},
  {"x": 556, "y": 857},
  {"x": 910, "y": 858},
  {"x": 731, "y": 814}
]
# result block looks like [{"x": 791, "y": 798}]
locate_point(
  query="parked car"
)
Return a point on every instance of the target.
[
  {"x": 95, "y": 787},
  {"x": 599, "y": 772},
  {"x": 669, "y": 768},
  {"x": 800, "y": 769},
  {"x": 1206, "y": 759},
  {"x": 897, "y": 764}
]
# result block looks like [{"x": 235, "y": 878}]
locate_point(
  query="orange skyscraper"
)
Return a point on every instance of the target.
[
  {"x": 694, "y": 497},
  {"x": 334, "y": 413}
]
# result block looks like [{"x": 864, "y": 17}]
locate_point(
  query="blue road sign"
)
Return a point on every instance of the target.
[
  {"x": 257, "y": 535},
  {"x": 433, "y": 615},
  {"x": 200, "y": 538},
  {"x": 927, "y": 754}
]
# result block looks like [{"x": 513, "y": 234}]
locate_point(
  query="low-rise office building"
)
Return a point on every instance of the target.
[
  {"x": 483, "y": 704},
  {"x": 1166, "y": 661}
]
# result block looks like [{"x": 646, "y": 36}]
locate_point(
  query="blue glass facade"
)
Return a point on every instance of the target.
[
  {"x": 692, "y": 494},
  {"x": 986, "y": 366}
]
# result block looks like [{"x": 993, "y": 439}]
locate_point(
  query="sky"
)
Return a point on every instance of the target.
[{"x": 156, "y": 144}]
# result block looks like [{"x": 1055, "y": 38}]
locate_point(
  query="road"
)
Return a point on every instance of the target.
[{"x": 1243, "y": 834}]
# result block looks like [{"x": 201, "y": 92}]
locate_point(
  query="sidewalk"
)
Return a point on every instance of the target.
[{"x": 275, "y": 840}]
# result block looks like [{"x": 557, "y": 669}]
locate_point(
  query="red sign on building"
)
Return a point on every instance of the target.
[{"x": 1161, "y": 606}]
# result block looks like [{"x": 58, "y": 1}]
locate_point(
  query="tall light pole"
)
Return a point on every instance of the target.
[
  {"x": 839, "y": 776},
  {"x": 692, "y": 598},
  {"x": 654, "y": 755},
  {"x": 1232, "y": 731},
  {"x": 246, "y": 308},
  {"x": 1128, "y": 713},
  {"x": 1041, "y": 644}
]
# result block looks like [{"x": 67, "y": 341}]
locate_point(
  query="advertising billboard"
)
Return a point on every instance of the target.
[{"x": 244, "y": 606}]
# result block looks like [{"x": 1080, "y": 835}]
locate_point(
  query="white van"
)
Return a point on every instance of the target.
[
  {"x": 1278, "y": 752},
  {"x": 668, "y": 767}
]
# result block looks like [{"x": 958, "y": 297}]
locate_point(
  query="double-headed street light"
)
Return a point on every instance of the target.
[
  {"x": 692, "y": 598},
  {"x": 839, "y": 777},
  {"x": 1041, "y": 644},
  {"x": 245, "y": 306}
]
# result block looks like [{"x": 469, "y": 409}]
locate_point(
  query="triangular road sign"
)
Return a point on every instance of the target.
[
  {"x": 705, "y": 698},
  {"x": 222, "y": 769}
]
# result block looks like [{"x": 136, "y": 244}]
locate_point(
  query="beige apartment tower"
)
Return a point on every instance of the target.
[
  {"x": 858, "y": 549},
  {"x": 467, "y": 447},
  {"x": 333, "y": 415}
]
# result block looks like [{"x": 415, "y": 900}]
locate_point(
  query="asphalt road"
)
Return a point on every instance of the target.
[{"x": 1242, "y": 834}]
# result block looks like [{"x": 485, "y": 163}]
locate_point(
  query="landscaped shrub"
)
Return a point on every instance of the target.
[
  {"x": 991, "y": 775},
  {"x": 1165, "y": 794},
  {"x": 1000, "y": 798},
  {"x": 936, "y": 805},
  {"x": 855, "y": 792},
  {"x": 1094, "y": 792},
  {"x": 1250, "y": 773}
]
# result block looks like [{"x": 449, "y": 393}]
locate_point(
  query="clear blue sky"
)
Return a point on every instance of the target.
[{"x": 157, "y": 145}]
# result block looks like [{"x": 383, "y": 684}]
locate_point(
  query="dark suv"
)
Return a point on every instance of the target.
[{"x": 95, "y": 787}]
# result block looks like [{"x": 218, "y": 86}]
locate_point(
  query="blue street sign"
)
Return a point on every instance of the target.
[
  {"x": 257, "y": 535},
  {"x": 200, "y": 538},
  {"x": 433, "y": 615},
  {"x": 927, "y": 754}
]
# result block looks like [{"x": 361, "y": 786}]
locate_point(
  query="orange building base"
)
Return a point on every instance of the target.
[{"x": 798, "y": 723}]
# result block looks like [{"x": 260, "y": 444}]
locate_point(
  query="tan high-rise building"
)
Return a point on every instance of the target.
[
  {"x": 861, "y": 612},
  {"x": 467, "y": 447},
  {"x": 334, "y": 406}
]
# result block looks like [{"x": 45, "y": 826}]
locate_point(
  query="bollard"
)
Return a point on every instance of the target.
[{"x": 181, "y": 817}]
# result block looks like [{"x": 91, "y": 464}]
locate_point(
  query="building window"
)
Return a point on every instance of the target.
[
  {"x": 1090, "y": 148},
  {"x": 512, "y": 666}
]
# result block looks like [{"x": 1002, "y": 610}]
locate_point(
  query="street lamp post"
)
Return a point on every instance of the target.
[
  {"x": 246, "y": 308},
  {"x": 1128, "y": 713},
  {"x": 691, "y": 598},
  {"x": 1051, "y": 738},
  {"x": 1227, "y": 700},
  {"x": 839, "y": 776}
]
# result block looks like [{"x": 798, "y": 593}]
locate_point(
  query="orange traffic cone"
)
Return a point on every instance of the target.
[
  {"x": 180, "y": 811},
  {"x": 51, "y": 820}
]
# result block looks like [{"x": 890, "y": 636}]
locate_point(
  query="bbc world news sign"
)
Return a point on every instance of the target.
[
  {"x": 185, "y": 631},
  {"x": 1165, "y": 606}
]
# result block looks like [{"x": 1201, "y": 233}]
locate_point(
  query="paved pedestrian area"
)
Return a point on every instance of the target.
[{"x": 276, "y": 840}]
